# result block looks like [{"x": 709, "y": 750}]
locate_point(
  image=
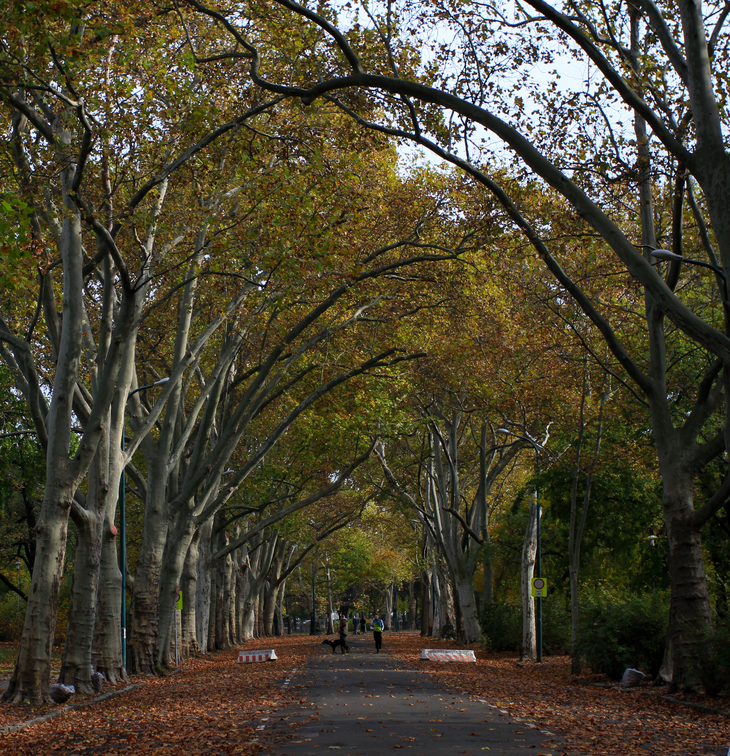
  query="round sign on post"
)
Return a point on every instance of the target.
[{"x": 539, "y": 587}]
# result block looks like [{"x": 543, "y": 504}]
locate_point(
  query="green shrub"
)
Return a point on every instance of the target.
[
  {"x": 555, "y": 625},
  {"x": 617, "y": 632},
  {"x": 714, "y": 665},
  {"x": 502, "y": 626},
  {"x": 11, "y": 621}
]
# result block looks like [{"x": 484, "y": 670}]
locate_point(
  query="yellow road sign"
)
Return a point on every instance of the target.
[{"x": 539, "y": 587}]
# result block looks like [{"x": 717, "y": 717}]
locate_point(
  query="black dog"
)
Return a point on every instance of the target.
[{"x": 333, "y": 644}]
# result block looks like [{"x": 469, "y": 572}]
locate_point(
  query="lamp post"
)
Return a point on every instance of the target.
[
  {"x": 123, "y": 524},
  {"x": 538, "y": 555}
]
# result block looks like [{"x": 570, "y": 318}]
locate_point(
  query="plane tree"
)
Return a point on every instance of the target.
[{"x": 664, "y": 73}]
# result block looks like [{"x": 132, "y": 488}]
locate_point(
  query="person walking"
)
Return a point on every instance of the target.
[
  {"x": 377, "y": 628},
  {"x": 355, "y": 622}
]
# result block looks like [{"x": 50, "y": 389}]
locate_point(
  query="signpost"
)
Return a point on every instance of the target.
[{"x": 539, "y": 587}]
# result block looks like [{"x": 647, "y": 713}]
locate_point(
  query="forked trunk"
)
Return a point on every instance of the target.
[
  {"x": 471, "y": 630},
  {"x": 107, "y": 651},
  {"x": 171, "y": 571},
  {"x": 76, "y": 659},
  {"x": 77, "y": 652}
]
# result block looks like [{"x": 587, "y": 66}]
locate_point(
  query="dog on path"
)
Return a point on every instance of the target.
[{"x": 333, "y": 644}]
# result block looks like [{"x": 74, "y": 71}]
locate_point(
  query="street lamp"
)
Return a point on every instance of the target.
[
  {"x": 538, "y": 556},
  {"x": 123, "y": 524}
]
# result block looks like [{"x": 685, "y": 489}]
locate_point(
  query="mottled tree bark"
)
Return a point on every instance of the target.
[
  {"x": 144, "y": 609},
  {"x": 189, "y": 588},
  {"x": 527, "y": 570},
  {"x": 203, "y": 587}
]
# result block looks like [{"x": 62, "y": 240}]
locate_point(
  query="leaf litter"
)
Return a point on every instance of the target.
[
  {"x": 216, "y": 706},
  {"x": 213, "y": 705},
  {"x": 602, "y": 720}
]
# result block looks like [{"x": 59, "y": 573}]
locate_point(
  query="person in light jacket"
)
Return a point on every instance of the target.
[{"x": 377, "y": 628}]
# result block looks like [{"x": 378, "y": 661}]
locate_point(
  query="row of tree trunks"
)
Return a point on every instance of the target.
[
  {"x": 412, "y": 606},
  {"x": 457, "y": 532}
]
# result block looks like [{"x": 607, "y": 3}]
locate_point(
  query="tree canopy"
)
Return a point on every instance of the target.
[{"x": 315, "y": 360}]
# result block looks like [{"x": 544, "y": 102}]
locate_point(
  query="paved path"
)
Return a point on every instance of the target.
[{"x": 365, "y": 704}]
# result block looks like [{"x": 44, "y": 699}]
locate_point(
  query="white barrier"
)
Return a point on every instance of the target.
[
  {"x": 442, "y": 655},
  {"x": 247, "y": 657}
]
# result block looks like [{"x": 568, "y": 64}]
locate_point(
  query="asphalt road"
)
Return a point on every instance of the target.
[{"x": 363, "y": 704}]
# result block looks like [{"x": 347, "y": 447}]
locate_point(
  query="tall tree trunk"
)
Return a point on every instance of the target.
[
  {"x": 313, "y": 601},
  {"x": 203, "y": 586},
  {"x": 279, "y": 613},
  {"x": 241, "y": 567},
  {"x": 216, "y": 596},
  {"x": 76, "y": 659},
  {"x": 107, "y": 648},
  {"x": 189, "y": 589},
  {"x": 529, "y": 551},
  {"x": 30, "y": 680},
  {"x": 578, "y": 522},
  {"x": 330, "y": 606},
  {"x": 388, "y": 610},
  {"x": 412, "y": 605},
  {"x": 271, "y": 599},
  {"x": 172, "y": 572},
  {"x": 488, "y": 586},
  {"x": 471, "y": 630},
  {"x": 691, "y": 615},
  {"x": 437, "y": 605},
  {"x": 426, "y": 604},
  {"x": 89, "y": 521},
  {"x": 446, "y": 609},
  {"x": 484, "y": 485},
  {"x": 279, "y": 616},
  {"x": 226, "y": 608},
  {"x": 144, "y": 609},
  {"x": 263, "y": 589}
]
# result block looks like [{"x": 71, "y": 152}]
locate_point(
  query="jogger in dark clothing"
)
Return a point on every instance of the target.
[{"x": 377, "y": 628}]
